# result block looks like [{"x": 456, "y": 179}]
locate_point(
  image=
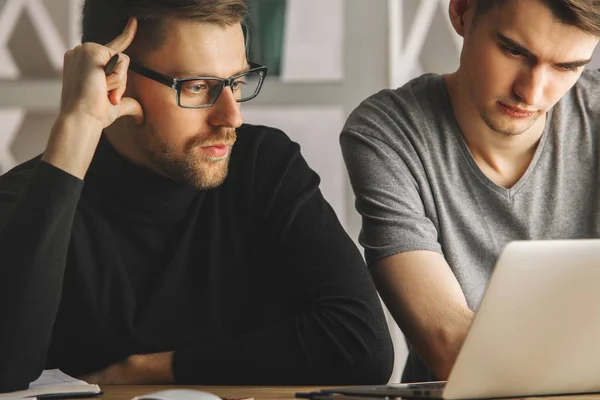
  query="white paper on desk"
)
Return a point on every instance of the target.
[
  {"x": 16, "y": 398},
  {"x": 55, "y": 377},
  {"x": 53, "y": 382},
  {"x": 313, "y": 41}
]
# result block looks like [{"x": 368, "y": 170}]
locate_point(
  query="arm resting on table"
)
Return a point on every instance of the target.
[{"x": 428, "y": 304}]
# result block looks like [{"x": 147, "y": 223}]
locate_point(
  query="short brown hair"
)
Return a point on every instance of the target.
[
  {"x": 583, "y": 14},
  {"x": 104, "y": 20}
]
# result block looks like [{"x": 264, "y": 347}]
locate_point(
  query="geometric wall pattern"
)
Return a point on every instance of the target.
[
  {"x": 17, "y": 16},
  {"x": 11, "y": 120},
  {"x": 421, "y": 39},
  {"x": 34, "y": 35}
]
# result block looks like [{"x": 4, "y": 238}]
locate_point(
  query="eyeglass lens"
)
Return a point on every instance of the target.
[{"x": 200, "y": 92}]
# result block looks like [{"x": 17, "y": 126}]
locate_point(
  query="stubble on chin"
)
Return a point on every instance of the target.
[{"x": 191, "y": 167}]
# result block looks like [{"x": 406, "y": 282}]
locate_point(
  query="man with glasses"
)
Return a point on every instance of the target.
[{"x": 143, "y": 246}]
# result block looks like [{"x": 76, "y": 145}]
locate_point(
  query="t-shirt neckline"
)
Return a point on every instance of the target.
[{"x": 468, "y": 156}]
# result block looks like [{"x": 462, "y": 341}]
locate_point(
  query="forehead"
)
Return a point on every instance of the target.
[
  {"x": 533, "y": 25},
  {"x": 200, "y": 48}
]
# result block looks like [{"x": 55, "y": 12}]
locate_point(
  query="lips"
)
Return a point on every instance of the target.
[
  {"x": 515, "y": 112},
  {"x": 216, "y": 150}
]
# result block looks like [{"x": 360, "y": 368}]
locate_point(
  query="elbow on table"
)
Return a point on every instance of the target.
[
  {"x": 21, "y": 362},
  {"x": 372, "y": 364},
  {"x": 375, "y": 367}
]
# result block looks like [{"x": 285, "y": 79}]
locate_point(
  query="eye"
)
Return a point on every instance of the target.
[
  {"x": 567, "y": 68},
  {"x": 240, "y": 82},
  {"x": 512, "y": 51},
  {"x": 196, "y": 87}
]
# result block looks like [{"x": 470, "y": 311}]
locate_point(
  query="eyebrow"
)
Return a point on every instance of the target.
[
  {"x": 183, "y": 74},
  {"x": 516, "y": 46}
]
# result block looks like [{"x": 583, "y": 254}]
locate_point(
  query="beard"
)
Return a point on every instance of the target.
[{"x": 193, "y": 166}]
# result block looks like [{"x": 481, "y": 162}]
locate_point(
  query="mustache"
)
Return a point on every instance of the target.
[{"x": 226, "y": 135}]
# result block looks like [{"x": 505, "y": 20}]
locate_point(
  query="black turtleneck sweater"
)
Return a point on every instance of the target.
[{"x": 254, "y": 282}]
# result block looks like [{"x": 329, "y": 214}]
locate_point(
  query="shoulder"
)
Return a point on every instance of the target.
[
  {"x": 414, "y": 118},
  {"x": 263, "y": 150},
  {"x": 587, "y": 87},
  {"x": 590, "y": 79},
  {"x": 389, "y": 113},
  {"x": 266, "y": 165},
  {"x": 258, "y": 138},
  {"x": 580, "y": 106}
]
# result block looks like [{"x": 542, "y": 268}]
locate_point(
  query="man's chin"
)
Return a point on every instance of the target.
[
  {"x": 208, "y": 175},
  {"x": 511, "y": 127}
]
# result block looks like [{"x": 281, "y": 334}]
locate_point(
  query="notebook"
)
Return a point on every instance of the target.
[
  {"x": 54, "y": 383},
  {"x": 536, "y": 332}
]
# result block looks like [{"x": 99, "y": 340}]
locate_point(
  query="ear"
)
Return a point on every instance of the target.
[{"x": 459, "y": 13}]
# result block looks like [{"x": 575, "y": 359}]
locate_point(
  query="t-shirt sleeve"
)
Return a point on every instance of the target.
[{"x": 388, "y": 195}]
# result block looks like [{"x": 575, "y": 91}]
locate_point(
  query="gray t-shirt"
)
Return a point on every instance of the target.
[{"x": 418, "y": 187}]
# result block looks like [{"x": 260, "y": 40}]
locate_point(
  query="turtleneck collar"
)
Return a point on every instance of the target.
[{"x": 114, "y": 180}]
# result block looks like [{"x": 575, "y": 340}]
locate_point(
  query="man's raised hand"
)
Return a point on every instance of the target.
[{"x": 91, "y": 101}]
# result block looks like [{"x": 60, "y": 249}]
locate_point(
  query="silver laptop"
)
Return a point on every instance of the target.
[{"x": 536, "y": 332}]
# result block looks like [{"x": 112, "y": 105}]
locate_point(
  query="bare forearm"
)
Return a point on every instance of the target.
[
  {"x": 72, "y": 143},
  {"x": 428, "y": 304},
  {"x": 141, "y": 369},
  {"x": 439, "y": 345},
  {"x": 90, "y": 102}
]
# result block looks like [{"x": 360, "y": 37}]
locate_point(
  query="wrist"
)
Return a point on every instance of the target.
[
  {"x": 79, "y": 120},
  {"x": 72, "y": 143},
  {"x": 152, "y": 368}
]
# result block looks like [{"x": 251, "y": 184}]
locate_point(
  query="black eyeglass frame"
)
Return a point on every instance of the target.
[{"x": 177, "y": 83}]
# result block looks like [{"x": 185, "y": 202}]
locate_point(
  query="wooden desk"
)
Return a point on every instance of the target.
[{"x": 126, "y": 392}]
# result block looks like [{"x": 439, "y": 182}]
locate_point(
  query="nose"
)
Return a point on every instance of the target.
[
  {"x": 530, "y": 86},
  {"x": 226, "y": 111}
]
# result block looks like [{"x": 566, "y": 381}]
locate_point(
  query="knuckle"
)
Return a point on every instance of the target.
[
  {"x": 91, "y": 48},
  {"x": 126, "y": 63},
  {"x": 70, "y": 52}
]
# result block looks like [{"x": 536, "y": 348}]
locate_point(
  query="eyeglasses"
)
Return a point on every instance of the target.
[{"x": 203, "y": 91}]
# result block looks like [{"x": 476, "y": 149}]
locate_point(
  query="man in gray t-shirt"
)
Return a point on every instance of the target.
[{"x": 448, "y": 169}]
